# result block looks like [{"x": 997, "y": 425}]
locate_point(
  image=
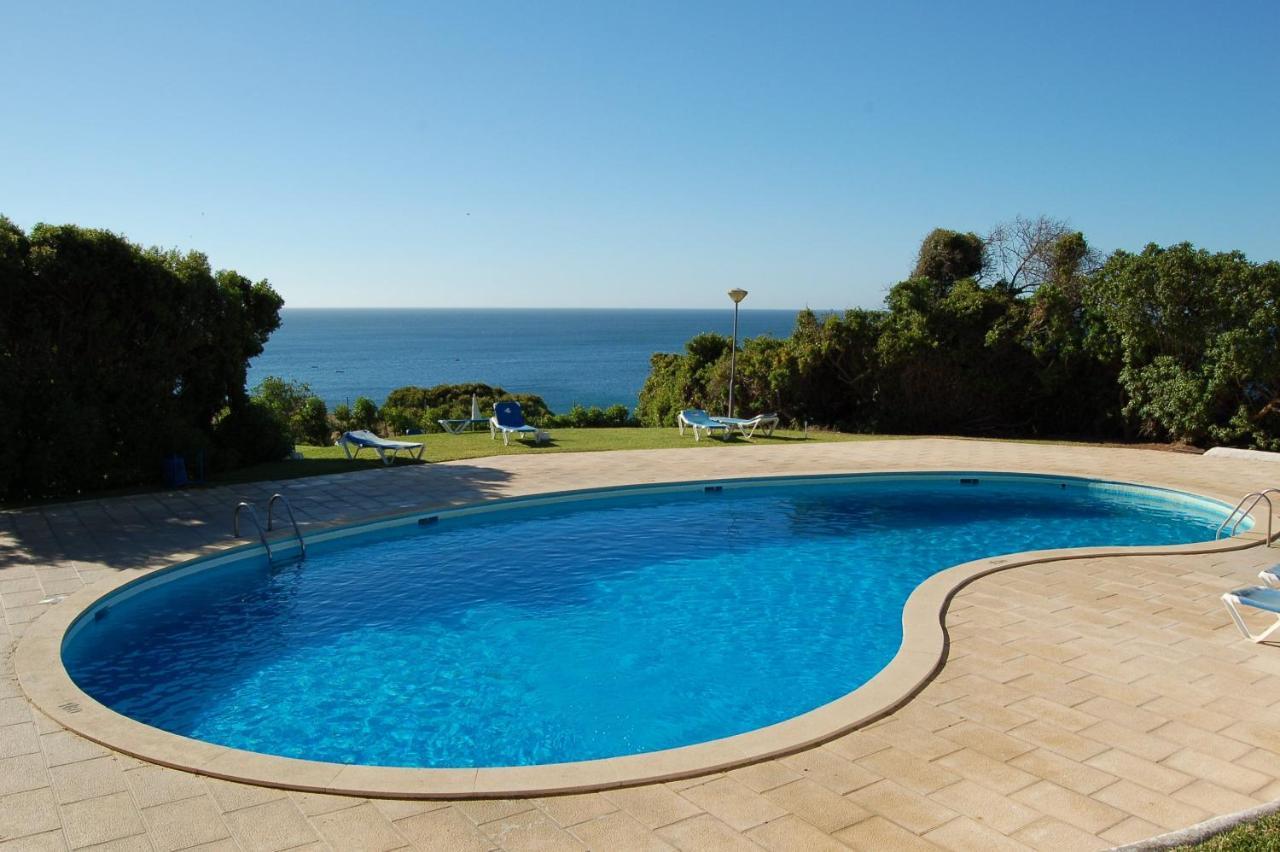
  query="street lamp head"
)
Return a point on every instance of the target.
[{"x": 737, "y": 295}]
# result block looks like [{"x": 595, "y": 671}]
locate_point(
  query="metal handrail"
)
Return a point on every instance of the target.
[
  {"x": 1243, "y": 512},
  {"x": 302, "y": 546},
  {"x": 253, "y": 515}
]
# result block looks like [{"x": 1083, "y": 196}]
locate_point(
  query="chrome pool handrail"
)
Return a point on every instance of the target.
[
  {"x": 253, "y": 516},
  {"x": 1243, "y": 512},
  {"x": 302, "y": 546}
]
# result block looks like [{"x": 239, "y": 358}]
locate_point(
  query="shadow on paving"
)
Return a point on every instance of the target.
[{"x": 147, "y": 530}]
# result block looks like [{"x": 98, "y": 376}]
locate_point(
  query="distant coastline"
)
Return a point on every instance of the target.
[{"x": 587, "y": 356}]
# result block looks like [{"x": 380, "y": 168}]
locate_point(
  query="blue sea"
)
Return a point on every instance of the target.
[{"x": 566, "y": 356}]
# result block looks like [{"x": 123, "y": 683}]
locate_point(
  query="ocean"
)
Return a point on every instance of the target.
[{"x": 566, "y": 356}]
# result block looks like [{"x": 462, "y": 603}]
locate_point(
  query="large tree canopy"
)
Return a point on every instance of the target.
[{"x": 112, "y": 355}]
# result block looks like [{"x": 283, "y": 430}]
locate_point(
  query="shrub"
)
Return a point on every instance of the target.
[
  {"x": 364, "y": 414},
  {"x": 250, "y": 433}
]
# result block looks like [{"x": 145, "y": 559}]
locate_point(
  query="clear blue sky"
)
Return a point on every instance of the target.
[{"x": 639, "y": 154}]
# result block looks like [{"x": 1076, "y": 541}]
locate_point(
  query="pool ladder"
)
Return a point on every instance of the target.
[
  {"x": 1241, "y": 511},
  {"x": 262, "y": 534}
]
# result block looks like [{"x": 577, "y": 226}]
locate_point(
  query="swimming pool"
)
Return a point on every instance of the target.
[{"x": 576, "y": 628}]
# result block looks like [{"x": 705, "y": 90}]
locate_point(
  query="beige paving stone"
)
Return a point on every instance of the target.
[
  {"x": 908, "y": 770},
  {"x": 879, "y": 835},
  {"x": 28, "y": 813},
  {"x": 764, "y": 776},
  {"x": 49, "y": 841},
  {"x": 994, "y": 744},
  {"x": 816, "y": 804},
  {"x": 61, "y": 747},
  {"x": 654, "y": 806},
  {"x": 790, "y": 834},
  {"x": 87, "y": 779},
  {"x": 1221, "y": 772},
  {"x": 911, "y": 738},
  {"x": 1051, "y": 835},
  {"x": 571, "y": 810},
  {"x": 14, "y": 711},
  {"x": 1149, "y": 746},
  {"x": 1073, "y": 775},
  {"x": 997, "y": 775},
  {"x": 314, "y": 804},
  {"x": 19, "y": 739},
  {"x": 158, "y": 785},
  {"x": 1201, "y": 740},
  {"x": 231, "y": 796},
  {"x": 362, "y": 828},
  {"x": 830, "y": 770},
  {"x": 530, "y": 831},
  {"x": 618, "y": 832},
  {"x": 1162, "y": 810},
  {"x": 395, "y": 809},
  {"x": 912, "y": 811},
  {"x": 705, "y": 833},
  {"x": 184, "y": 823},
  {"x": 98, "y": 820},
  {"x": 1065, "y": 743},
  {"x": 986, "y": 806},
  {"x": 1130, "y": 830},
  {"x": 487, "y": 810},
  {"x": 1155, "y": 776},
  {"x": 734, "y": 804},
  {"x": 963, "y": 835},
  {"x": 23, "y": 772},
  {"x": 1214, "y": 799},
  {"x": 445, "y": 829},
  {"x": 1083, "y": 812},
  {"x": 269, "y": 827}
]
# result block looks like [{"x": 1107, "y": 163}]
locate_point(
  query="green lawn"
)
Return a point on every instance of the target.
[
  {"x": 1260, "y": 836},
  {"x": 441, "y": 447}
]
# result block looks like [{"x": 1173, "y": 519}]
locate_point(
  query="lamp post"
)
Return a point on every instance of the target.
[{"x": 737, "y": 295}]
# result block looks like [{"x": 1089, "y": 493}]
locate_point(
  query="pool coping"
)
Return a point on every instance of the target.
[{"x": 920, "y": 656}]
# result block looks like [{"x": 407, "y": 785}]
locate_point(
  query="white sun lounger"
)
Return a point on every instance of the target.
[
  {"x": 1258, "y": 597},
  {"x": 361, "y": 439},
  {"x": 748, "y": 426},
  {"x": 508, "y": 418},
  {"x": 699, "y": 421}
]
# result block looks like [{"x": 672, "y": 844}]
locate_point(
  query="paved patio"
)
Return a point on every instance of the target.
[{"x": 1083, "y": 704}]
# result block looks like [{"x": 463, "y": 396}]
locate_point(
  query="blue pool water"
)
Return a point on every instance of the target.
[{"x": 578, "y": 630}]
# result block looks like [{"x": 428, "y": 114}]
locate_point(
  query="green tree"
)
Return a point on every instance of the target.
[
  {"x": 948, "y": 256},
  {"x": 364, "y": 413}
]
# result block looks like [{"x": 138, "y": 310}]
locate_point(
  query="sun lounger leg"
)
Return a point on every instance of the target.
[
  {"x": 1270, "y": 579},
  {"x": 1234, "y": 611}
]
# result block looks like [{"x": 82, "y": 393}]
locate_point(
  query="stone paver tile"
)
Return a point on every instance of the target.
[
  {"x": 879, "y": 835},
  {"x": 1123, "y": 714},
  {"x": 1070, "y": 807},
  {"x": 1200, "y": 740},
  {"x": 27, "y": 813},
  {"x": 1220, "y": 772},
  {"x": 394, "y": 809},
  {"x": 1155, "y": 776},
  {"x": 270, "y": 826},
  {"x": 232, "y": 796},
  {"x": 1130, "y": 830},
  {"x": 652, "y": 806},
  {"x": 21, "y": 773},
  {"x": 50, "y": 841},
  {"x": 705, "y": 833},
  {"x": 184, "y": 823},
  {"x": 487, "y": 810},
  {"x": 991, "y": 715},
  {"x": 314, "y": 804},
  {"x": 362, "y": 827},
  {"x": 87, "y": 779},
  {"x": 157, "y": 785},
  {"x": 790, "y": 833},
  {"x": 996, "y": 774},
  {"x": 908, "y": 770},
  {"x": 1055, "y": 713},
  {"x": 1050, "y": 835},
  {"x": 1148, "y": 746},
  {"x": 65, "y": 747},
  {"x": 1150, "y": 805},
  {"x": 912, "y": 811},
  {"x": 445, "y": 829},
  {"x": 765, "y": 775},
  {"x": 965, "y": 835},
  {"x": 1215, "y": 799},
  {"x": 19, "y": 739},
  {"x": 734, "y": 804},
  {"x": 817, "y": 805},
  {"x": 1050, "y": 766},
  {"x": 985, "y": 806},
  {"x": 1054, "y": 739},
  {"x": 912, "y": 738},
  {"x": 618, "y": 832},
  {"x": 98, "y": 820},
  {"x": 859, "y": 743},
  {"x": 14, "y": 711},
  {"x": 994, "y": 744},
  {"x": 530, "y": 831},
  {"x": 830, "y": 770},
  {"x": 571, "y": 810}
]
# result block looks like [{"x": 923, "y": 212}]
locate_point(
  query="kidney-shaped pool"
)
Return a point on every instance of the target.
[{"x": 603, "y": 625}]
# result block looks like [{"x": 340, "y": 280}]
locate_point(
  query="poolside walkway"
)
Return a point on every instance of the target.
[{"x": 1083, "y": 704}]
